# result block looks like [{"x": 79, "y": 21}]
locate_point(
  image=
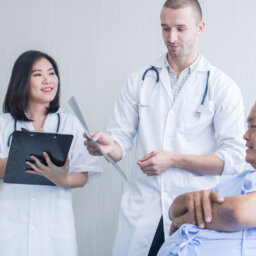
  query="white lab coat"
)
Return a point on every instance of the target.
[
  {"x": 176, "y": 128},
  {"x": 38, "y": 220}
]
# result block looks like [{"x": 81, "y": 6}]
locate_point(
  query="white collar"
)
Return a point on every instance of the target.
[{"x": 203, "y": 65}]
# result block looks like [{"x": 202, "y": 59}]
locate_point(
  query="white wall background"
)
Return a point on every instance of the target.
[{"x": 97, "y": 44}]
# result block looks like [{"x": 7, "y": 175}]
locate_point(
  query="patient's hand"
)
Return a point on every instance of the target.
[
  {"x": 178, "y": 221},
  {"x": 199, "y": 205},
  {"x": 194, "y": 208}
]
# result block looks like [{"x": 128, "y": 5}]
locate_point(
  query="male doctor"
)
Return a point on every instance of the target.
[{"x": 189, "y": 128}]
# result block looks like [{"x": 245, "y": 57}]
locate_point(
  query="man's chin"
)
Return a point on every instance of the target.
[
  {"x": 175, "y": 54},
  {"x": 250, "y": 160}
]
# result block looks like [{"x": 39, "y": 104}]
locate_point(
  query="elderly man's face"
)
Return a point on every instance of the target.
[{"x": 250, "y": 137}]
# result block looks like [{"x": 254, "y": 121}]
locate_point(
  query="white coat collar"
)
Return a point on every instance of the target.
[
  {"x": 60, "y": 110},
  {"x": 48, "y": 121},
  {"x": 203, "y": 65}
]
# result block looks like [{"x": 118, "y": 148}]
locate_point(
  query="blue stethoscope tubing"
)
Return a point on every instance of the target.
[
  {"x": 153, "y": 69},
  {"x": 199, "y": 111}
]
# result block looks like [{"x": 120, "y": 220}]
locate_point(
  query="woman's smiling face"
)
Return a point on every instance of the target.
[{"x": 43, "y": 82}]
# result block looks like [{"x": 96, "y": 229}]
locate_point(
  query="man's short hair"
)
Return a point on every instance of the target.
[{"x": 177, "y": 4}]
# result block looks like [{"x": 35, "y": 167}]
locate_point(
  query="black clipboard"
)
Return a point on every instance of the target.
[{"x": 24, "y": 144}]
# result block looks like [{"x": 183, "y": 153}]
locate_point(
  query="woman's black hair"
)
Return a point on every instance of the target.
[{"x": 16, "y": 99}]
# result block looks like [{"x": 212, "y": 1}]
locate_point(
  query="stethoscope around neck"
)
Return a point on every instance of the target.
[
  {"x": 25, "y": 130},
  {"x": 154, "y": 69}
]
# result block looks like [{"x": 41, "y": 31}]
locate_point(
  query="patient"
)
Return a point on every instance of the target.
[{"x": 221, "y": 221}]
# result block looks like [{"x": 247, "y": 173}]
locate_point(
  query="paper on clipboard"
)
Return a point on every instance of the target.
[{"x": 75, "y": 108}]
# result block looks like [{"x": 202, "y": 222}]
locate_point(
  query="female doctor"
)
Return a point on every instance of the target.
[{"x": 38, "y": 219}]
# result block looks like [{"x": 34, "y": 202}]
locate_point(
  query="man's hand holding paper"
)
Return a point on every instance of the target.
[
  {"x": 106, "y": 144},
  {"x": 99, "y": 143}
]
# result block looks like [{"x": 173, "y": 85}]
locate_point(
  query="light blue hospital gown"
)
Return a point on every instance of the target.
[{"x": 189, "y": 240}]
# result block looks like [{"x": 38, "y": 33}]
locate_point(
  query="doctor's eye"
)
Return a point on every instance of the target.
[
  {"x": 181, "y": 28},
  {"x": 166, "y": 29},
  {"x": 52, "y": 73},
  {"x": 36, "y": 74}
]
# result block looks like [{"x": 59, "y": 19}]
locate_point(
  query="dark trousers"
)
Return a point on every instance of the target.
[{"x": 158, "y": 239}]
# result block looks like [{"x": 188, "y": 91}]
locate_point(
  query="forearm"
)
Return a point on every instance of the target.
[
  {"x": 116, "y": 152},
  {"x": 75, "y": 180},
  {"x": 206, "y": 164},
  {"x": 234, "y": 214},
  {"x": 178, "y": 207},
  {"x": 3, "y": 163}
]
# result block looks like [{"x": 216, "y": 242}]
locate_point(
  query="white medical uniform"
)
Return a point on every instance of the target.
[
  {"x": 149, "y": 112},
  {"x": 38, "y": 220}
]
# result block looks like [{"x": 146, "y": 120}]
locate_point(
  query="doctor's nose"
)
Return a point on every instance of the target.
[
  {"x": 173, "y": 36},
  {"x": 46, "y": 80}
]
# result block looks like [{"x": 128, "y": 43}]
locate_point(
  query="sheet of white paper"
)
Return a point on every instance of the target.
[{"x": 75, "y": 108}]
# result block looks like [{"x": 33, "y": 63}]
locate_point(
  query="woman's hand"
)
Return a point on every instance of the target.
[
  {"x": 3, "y": 163},
  {"x": 57, "y": 175}
]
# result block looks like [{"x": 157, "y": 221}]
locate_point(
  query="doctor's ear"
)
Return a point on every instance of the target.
[{"x": 201, "y": 26}]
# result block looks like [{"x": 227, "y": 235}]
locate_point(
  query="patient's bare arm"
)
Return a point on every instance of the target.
[{"x": 234, "y": 214}]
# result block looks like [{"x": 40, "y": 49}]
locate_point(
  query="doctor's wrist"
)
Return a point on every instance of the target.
[
  {"x": 115, "y": 151},
  {"x": 63, "y": 182},
  {"x": 177, "y": 160}
]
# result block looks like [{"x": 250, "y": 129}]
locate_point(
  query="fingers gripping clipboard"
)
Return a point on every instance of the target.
[{"x": 25, "y": 144}]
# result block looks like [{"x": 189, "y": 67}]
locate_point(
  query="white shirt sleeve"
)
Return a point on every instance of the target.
[
  {"x": 80, "y": 159},
  {"x": 229, "y": 128},
  {"x": 123, "y": 124}
]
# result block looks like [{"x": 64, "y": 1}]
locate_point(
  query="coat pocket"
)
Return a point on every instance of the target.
[{"x": 193, "y": 122}]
